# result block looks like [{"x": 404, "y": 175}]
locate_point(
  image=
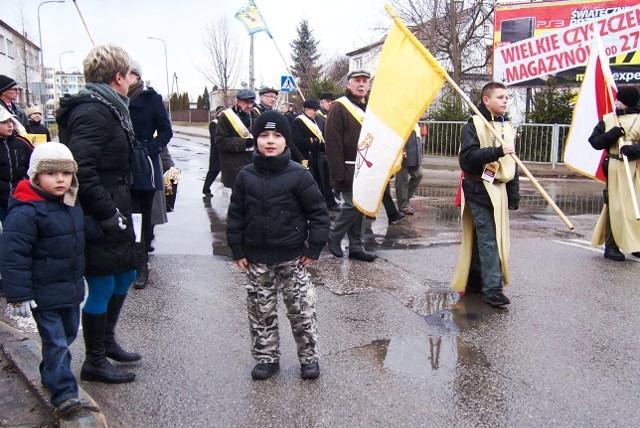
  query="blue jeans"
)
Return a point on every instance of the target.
[{"x": 58, "y": 329}]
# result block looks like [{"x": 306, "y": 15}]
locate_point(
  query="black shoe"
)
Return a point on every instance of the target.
[
  {"x": 310, "y": 371},
  {"x": 613, "y": 253},
  {"x": 68, "y": 407},
  {"x": 496, "y": 300},
  {"x": 335, "y": 248},
  {"x": 396, "y": 217},
  {"x": 362, "y": 255},
  {"x": 636, "y": 254},
  {"x": 141, "y": 280},
  {"x": 264, "y": 371}
]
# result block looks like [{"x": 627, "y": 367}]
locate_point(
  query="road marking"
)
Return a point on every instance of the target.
[{"x": 586, "y": 245}]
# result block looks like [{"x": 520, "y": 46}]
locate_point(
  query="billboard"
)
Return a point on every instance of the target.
[{"x": 534, "y": 41}]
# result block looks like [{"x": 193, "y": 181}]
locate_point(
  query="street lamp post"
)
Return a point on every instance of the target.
[
  {"x": 60, "y": 58},
  {"x": 166, "y": 68},
  {"x": 42, "y": 50}
]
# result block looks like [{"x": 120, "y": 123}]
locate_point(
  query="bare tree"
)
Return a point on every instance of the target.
[
  {"x": 456, "y": 32},
  {"x": 222, "y": 56}
]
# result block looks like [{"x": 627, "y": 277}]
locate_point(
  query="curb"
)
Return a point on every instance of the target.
[{"x": 25, "y": 354}]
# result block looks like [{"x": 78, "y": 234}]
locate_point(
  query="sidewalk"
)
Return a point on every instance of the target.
[{"x": 31, "y": 406}]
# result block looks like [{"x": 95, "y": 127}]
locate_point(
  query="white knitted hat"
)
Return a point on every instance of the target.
[{"x": 53, "y": 157}]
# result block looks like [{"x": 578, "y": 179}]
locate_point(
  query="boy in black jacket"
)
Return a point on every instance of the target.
[
  {"x": 42, "y": 264},
  {"x": 276, "y": 225}
]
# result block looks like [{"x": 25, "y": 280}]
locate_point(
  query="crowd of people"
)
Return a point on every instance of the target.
[{"x": 67, "y": 208}]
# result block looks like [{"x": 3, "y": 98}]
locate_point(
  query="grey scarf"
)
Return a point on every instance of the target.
[{"x": 118, "y": 103}]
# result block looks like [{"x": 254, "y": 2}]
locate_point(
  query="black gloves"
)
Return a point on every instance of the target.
[
  {"x": 615, "y": 132},
  {"x": 114, "y": 223},
  {"x": 631, "y": 151}
]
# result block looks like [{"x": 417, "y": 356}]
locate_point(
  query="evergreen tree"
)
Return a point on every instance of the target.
[
  {"x": 552, "y": 104},
  {"x": 199, "y": 102},
  {"x": 206, "y": 99},
  {"x": 174, "y": 101},
  {"x": 305, "y": 58}
]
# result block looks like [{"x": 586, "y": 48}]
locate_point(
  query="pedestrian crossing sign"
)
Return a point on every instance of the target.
[{"x": 287, "y": 84}]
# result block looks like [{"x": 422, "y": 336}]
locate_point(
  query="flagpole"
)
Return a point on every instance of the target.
[
  {"x": 84, "y": 23},
  {"x": 484, "y": 120},
  {"x": 276, "y": 45},
  {"x": 625, "y": 160}
]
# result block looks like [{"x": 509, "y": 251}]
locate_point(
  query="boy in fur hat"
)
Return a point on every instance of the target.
[
  {"x": 42, "y": 264},
  {"x": 277, "y": 225}
]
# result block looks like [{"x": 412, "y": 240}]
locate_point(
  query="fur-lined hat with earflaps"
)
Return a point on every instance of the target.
[{"x": 54, "y": 157}]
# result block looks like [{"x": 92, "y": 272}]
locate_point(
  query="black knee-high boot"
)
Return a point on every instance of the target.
[
  {"x": 96, "y": 367},
  {"x": 111, "y": 347}
]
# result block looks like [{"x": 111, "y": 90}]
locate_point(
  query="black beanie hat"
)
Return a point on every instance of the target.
[
  {"x": 272, "y": 121},
  {"x": 628, "y": 95},
  {"x": 6, "y": 82}
]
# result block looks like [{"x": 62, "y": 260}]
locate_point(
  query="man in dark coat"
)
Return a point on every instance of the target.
[
  {"x": 308, "y": 138},
  {"x": 96, "y": 126},
  {"x": 9, "y": 92},
  {"x": 233, "y": 137},
  {"x": 214, "y": 159},
  {"x": 267, "y": 101}
]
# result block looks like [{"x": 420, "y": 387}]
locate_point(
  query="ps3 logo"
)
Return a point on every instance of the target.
[{"x": 546, "y": 24}]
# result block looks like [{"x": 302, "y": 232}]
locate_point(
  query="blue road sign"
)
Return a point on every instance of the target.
[{"x": 287, "y": 84}]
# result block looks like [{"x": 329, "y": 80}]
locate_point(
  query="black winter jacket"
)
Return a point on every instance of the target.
[
  {"x": 42, "y": 256},
  {"x": 234, "y": 151},
  {"x": 275, "y": 207},
  {"x": 15, "y": 153},
  {"x": 472, "y": 160},
  {"x": 149, "y": 115},
  {"x": 100, "y": 146}
]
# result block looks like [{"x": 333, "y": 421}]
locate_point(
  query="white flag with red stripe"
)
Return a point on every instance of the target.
[{"x": 595, "y": 99}]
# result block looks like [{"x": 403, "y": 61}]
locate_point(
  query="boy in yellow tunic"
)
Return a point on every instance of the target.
[{"x": 490, "y": 186}]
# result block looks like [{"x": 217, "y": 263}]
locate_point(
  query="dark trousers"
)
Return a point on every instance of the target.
[
  {"x": 485, "y": 258},
  {"x": 58, "y": 329},
  {"x": 208, "y": 181},
  {"x": 387, "y": 201}
]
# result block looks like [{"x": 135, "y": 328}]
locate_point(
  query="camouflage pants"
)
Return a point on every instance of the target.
[{"x": 299, "y": 296}]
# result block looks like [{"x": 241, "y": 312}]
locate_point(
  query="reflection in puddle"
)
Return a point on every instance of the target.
[{"x": 439, "y": 356}]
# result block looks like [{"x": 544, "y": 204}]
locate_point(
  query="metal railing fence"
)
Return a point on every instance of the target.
[{"x": 534, "y": 142}]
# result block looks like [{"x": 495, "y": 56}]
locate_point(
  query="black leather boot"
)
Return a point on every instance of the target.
[
  {"x": 111, "y": 347},
  {"x": 142, "y": 277},
  {"x": 96, "y": 367}
]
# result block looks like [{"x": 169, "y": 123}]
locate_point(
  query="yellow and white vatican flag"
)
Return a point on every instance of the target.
[{"x": 407, "y": 80}]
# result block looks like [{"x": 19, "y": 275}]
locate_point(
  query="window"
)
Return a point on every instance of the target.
[
  {"x": 2, "y": 49},
  {"x": 357, "y": 62},
  {"x": 10, "y": 49}
]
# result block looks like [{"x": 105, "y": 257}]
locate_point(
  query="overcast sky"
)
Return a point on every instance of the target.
[{"x": 340, "y": 26}]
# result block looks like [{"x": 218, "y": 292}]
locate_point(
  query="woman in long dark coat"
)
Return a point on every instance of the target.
[{"x": 96, "y": 127}]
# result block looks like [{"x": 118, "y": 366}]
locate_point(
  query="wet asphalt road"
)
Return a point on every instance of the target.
[{"x": 397, "y": 347}]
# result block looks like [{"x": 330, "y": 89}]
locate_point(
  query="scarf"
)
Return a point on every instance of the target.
[
  {"x": 118, "y": 103},
  {"x": 135, "y": 90}
]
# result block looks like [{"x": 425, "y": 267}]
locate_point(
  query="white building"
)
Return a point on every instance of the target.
[{"x": 19, "y": 59}]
